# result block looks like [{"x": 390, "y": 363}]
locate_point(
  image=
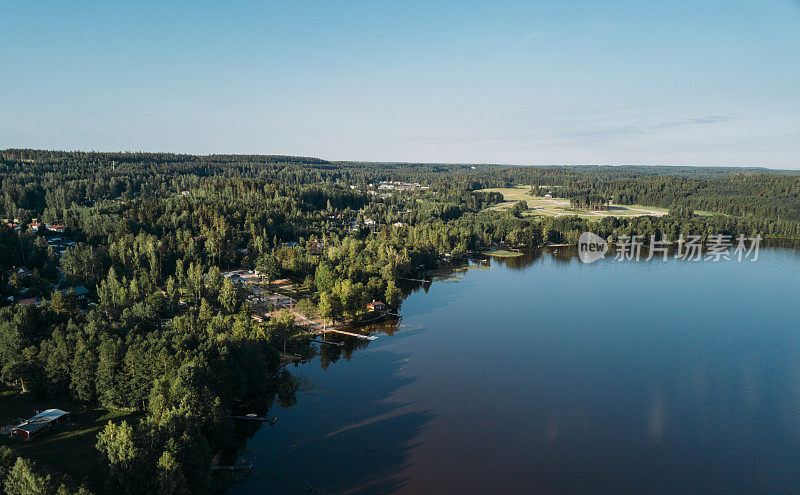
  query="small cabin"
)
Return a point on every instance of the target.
[
  {"x": 39, "y": 424},
  {"x": 80, "y": 292},
  {"x": 377, "y": 306}
]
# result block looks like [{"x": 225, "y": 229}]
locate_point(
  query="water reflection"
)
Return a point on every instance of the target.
[
  {"x": 534, "y": 377},
  {"x": 336, "y": 442}
]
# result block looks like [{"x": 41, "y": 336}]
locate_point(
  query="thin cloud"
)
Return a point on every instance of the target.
[{"x": 653, "y": 127}]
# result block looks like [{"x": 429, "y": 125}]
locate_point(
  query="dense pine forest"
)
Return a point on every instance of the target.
[{"x": 115, "y": 296}]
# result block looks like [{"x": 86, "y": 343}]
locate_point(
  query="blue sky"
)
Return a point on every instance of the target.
[{"x": 614, "y": 82}]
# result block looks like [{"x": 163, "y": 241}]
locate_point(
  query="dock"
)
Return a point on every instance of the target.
[
  {"x": 253, "y": 417},
  {"x": 350, "y": 334},
  {"x": 340, "y": 344},
  {"x": 247, "y": 467}
]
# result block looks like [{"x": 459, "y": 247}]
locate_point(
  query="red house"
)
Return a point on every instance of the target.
[
  {"x": 377, "y": 306},
  {"x": 40, "y": 423}
]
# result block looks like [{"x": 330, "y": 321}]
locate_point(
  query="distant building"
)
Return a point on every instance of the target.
[
  {"x": 20, "y": 271},
  {"x": 56, "y": 228},
  {"x": 39, "y": 424},
  {"x": 242, "y": 276},
  {"x": 80, "y": 291},
  {"x": 316, "y": 247},
  {"x": 377, "y": 306}
]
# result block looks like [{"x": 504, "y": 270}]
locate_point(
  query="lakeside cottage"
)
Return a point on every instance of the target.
[{"x": 377, "y": 306}]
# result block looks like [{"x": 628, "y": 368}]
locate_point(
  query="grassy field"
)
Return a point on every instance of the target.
[
  {"x": 286, "y": 287},
  {"x": 71, "y": 447},
  {"x": 556, "y": 207},
  {"x": 502, "y": 253}
]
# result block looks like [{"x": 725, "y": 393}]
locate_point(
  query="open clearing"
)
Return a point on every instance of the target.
[
  {"x": 69, "y": 448},
  {"x": 502, "y": 253},
  {"x": 557, "y": 207}
]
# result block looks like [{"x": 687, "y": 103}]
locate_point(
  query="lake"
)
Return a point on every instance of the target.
[{"x": 546, "y": 375}]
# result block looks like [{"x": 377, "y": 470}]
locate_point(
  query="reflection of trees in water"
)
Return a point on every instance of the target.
[
  {"x": 375, "y": 437},
  {"x": 329, "y": 354},
  {"x": 288, "y": 385},
  {"x": 564, "y": 254},
  {"x": 355, "y": 440}
]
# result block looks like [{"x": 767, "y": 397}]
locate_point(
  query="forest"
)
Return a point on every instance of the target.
[{"x": 162, "y": 335}]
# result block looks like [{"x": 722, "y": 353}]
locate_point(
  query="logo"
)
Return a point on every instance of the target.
[{"x": 591, "y": 247}]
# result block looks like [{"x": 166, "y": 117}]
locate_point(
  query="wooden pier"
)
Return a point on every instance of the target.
[
  {"x": 423, "y": 281},
  {"x": 264, "y": 419},
  {"x": 247, "y": 467},
  {"x": 340, "y": 344},
  {"x": 349, "y": 334}
]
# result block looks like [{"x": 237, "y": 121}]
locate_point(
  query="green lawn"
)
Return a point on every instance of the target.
[
  {"x": 540, "y": 206},
  {"x": 514, "y": 194},
  {"x": 297, "y": 290},
  {"x": 502, "y": 253},
  {"x": 71, "y": 447}
]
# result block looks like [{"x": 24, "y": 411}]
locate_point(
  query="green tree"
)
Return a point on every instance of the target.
[
  {"x": 117, "y": 444},
  {"x": 64, "y": 303},
  {"x": 330, "y": 306},
  {"x": 171, "y": 480},
  {"x": 392, "y": 294},
  {"x": 324, "y": 278},
  {"x": 268, "y": 267},
  {"x": 24, "y": 480},
  {"x": 205, "y": 310},
  {"x": 7, "y": 460},
  {"x": 108, "y": 381},
  {"x": 229, "y": 296},
  {"x": 82, "y": 373}
]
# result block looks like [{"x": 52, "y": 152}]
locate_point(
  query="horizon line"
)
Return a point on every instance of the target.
[{"x": 390, "y": 162}]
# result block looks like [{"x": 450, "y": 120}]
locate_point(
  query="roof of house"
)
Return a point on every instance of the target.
[
  {"x": 41, "y": 420},
  {"x": 80, "y": 290},
  {"x": 50, "y": 414}
]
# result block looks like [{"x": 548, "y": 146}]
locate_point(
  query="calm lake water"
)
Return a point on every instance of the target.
[{"x": 546, "y": 375}]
